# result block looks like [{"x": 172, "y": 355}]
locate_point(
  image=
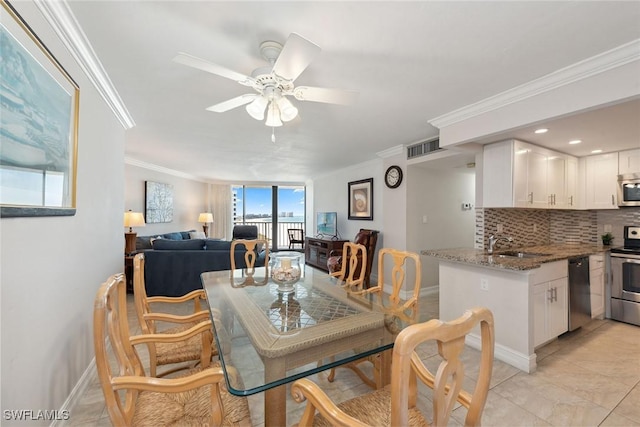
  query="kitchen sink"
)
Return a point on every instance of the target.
[{"x": 514, "y": 254}]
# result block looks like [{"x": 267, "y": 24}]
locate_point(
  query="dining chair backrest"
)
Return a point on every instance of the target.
[
  {"x": 110, "y": 326},
  {"x": 447, "y": 382},
  {"x": 404, "y": 265},
  {"x": 401, "y": 406},
  {"x": 352, "y": 271},
  {"x": 252, "y": 251}
]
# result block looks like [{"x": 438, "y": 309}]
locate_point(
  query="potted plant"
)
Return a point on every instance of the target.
[{"x": 607, "y": 238}]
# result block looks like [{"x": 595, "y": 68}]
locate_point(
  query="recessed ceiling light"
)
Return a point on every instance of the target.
[
  {"x": 575, "y": 141},
  {"x": 596, "y": 151},
  {"x": 543, "y": 130}
]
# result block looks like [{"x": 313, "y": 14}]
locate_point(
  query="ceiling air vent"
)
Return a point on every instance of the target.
[{"x": 423, "y": 148}]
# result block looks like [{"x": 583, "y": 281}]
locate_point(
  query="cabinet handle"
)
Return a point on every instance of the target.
[
  {"x": 570, "y": 200},
  {"x": 613, "y": 201},
  {"x": 554, "y": 199},
  {"x": 531, "y": 198},
  {"x": 550, "y": 292}
]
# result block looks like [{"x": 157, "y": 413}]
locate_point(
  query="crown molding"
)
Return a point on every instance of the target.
[
  {"x": 390, "y": 152},
  {"x": 616, "y": 57},
  {"x": 64, "y": 23}
]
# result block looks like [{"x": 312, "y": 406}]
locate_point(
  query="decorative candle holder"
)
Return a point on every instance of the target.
[{"x": 285, "y": 270}]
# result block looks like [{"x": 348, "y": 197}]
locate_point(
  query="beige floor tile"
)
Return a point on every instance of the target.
[
  {"x": 578, "y": 382},
  {"x": 554, "y": 404},
  {"x": 630, "y": 405}
]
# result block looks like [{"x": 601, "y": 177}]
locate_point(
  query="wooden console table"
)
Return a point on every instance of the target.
[{"x": 316, "y": 251}]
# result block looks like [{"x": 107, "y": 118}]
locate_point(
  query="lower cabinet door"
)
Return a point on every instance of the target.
[
  {"x": 540, "y": 302},
  {"x": 559, "y": 307}
]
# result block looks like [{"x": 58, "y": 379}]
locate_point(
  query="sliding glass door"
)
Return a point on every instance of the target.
[{"x": 273, "y": 209}]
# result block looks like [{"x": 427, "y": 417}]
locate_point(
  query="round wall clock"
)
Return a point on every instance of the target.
[{"x": 393, "y": 177}]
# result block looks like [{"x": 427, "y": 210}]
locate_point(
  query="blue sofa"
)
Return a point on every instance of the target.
[{"x": 173, "y": 266}]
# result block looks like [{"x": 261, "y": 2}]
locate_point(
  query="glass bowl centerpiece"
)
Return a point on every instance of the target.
[{"x": 285, "y": 270}]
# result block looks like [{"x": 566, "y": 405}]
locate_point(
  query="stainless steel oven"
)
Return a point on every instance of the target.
[{"x": 625, "y": 278}]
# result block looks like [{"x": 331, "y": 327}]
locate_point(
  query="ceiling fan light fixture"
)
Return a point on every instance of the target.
[
  {"x": 257, "y": 107},
  {"x": 288, "y": 111},
  {"x": 273, "y": 115}
]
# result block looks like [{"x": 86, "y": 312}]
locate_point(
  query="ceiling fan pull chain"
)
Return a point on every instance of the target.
[{"x": 273, "y": 135}]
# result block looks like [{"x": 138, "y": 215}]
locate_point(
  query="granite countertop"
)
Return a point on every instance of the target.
[{"x": 548, "y": 253}]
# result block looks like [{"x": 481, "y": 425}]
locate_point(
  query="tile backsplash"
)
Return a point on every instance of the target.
[{"x": 531, "y": 227}]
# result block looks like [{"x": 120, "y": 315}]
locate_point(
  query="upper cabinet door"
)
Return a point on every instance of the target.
[
  {"x": 629, "y": 161},
  {"x": 601, "y": 181}
]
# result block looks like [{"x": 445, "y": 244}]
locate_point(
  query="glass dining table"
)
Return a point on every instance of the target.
[{"x": 268, "y": 336}]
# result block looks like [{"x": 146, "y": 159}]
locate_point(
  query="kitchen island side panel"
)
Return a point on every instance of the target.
[{"x": 506, "y": 293}]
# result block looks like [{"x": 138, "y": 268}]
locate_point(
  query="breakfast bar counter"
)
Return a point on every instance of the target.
[
  {"x": 544, "y": 254},
  {"x": 525, "y": 288}
]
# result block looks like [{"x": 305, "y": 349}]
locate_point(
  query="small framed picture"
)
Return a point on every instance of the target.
[{"x": 361, "y": 199}]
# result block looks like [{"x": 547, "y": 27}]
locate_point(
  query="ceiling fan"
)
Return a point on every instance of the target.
[{"x": 273, "y": 83}]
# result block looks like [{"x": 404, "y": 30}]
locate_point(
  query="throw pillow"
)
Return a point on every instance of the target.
[
  {"x": 173, "y": 236},
  {"x": 178, "y": 245},
  {"x": 197, "y": 235}
]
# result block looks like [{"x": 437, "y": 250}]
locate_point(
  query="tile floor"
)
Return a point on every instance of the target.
[{"x": 589, "y": 377}]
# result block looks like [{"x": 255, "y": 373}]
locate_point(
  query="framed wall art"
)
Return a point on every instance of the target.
[
  {"x": 38, "y": 125},
  {"x": 361, "y": 199},
  {"x": 158, "y": 201}
]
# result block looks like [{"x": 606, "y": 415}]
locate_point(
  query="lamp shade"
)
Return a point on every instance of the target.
[
  {"x": 206, "y": 217},
  {"x": 287, "y": 111},
  {"x": 133, "y": 219},
  {"x": 257, "y": 107},
  {"x": 273, "y": 115}
]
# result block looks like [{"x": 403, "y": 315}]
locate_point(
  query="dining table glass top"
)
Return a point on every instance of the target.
[{"x": 267, "y": 336}]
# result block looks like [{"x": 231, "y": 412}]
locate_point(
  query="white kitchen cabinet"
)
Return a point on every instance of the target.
[
  {"x": 601, "y": 181},
  {"x": 596, "y": 282},
  {"x": 571, "y": 194},
  {"x": 523, "y": 175},
  {"x": 629, "y": 161},
  {"x": 550, "y": 302}
]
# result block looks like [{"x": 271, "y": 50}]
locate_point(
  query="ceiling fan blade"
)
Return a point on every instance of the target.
[
  {"x": 296, "y": 55},
  {"x": 330, "y": 96},
  {"x": 210, "y": 67},
  {"x": 232, "y": 103}
]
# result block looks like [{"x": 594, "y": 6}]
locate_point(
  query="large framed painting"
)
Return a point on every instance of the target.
[
  {"x": 158, "y": 200},
  {"x": 361, "y": 199},
  {"x": 39, "y": 106}
]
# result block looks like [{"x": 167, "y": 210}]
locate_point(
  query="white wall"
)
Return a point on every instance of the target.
[
  {"x": 439, "y": 195},
  {"x": 189, "y": 199},
  {"x": 330, "y": 194},
  {"x": 51, "y": 267}
]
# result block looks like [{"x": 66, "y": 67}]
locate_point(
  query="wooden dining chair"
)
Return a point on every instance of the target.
[
  {"x": 187, "y": 353},
  {"x": 397, "y": 404},
  {"x": 197, "y": 397},
  {"x": 253, "y": 247},
  {"x": 352, "y": 273},
  {"x": 393, "y": 305}
]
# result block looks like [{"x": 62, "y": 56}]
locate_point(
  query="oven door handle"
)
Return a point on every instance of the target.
[
  {"x": 635, "y": 259},
  {"x": 631, "y": 261}
]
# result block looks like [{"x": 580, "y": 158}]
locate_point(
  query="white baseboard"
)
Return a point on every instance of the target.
[
  {"x": 79, "y": 390},
  {"x": 526, "y": 363}
]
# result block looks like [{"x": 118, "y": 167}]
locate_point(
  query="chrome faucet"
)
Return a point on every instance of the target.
[{"x": 493, "y": 240}]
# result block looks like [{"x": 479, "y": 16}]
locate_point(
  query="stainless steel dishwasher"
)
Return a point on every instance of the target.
[{"x": 579, "y": 292}]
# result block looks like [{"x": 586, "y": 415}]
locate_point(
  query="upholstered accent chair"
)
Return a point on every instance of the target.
[
  {"x": 195, "y": 397},
  {"x": 243, "y": 231},
  {"x": 397, "y": 404},
  {"x": 365, "y": 237}
]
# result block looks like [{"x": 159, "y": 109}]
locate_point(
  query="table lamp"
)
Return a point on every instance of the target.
[
  {"x": 205, "y": 218},
  {"x": 132, "y": 219}
]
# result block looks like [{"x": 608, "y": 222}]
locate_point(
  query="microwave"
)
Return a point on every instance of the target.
[{"x": 629, "y": 189}]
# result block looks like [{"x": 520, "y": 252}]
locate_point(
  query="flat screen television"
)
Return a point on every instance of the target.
[{"x": 327, "y": 224}]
